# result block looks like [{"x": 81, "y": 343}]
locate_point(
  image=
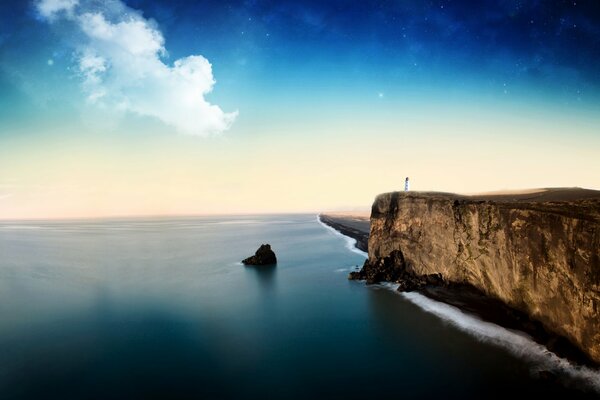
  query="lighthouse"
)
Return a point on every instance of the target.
[{"x": 406, "y": 184}]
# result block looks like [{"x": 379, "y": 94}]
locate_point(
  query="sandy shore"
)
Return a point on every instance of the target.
[{"x": 352, "y": 225}]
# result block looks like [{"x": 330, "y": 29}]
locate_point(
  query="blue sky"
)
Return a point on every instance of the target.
[
  {"x": 240, "y": 72},
  {"x": 537, "y": 49}
]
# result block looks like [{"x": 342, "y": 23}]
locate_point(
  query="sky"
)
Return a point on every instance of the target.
[{"x": 138, "y": 107}]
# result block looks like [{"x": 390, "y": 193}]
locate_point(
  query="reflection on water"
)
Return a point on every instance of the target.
[
  {"x": 265, "y": 274},
  {"x": 162, "y": 308},
  {"x": 149, "y": 354}
]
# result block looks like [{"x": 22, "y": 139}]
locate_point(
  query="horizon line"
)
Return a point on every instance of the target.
[{"x": 139, "y": 216}]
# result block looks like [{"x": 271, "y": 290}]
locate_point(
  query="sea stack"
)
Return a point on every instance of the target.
[{"x": 263, "y": 256}]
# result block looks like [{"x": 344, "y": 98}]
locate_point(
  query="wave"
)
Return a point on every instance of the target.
[
  {"x": 236, "y": 222},
  {"x": 347, "y": 269},
  {"x": 517, "y": 343},
  {"x": 350, "y": 242},
  {"x": 17, "y": 227}
]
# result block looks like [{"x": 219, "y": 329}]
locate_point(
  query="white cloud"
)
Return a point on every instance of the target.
[
  {"x": 91, "y": 67},
  {"x": 49, "y": 9},
  {"x": 120, "y": 61},
  {"x": 135, "y": 36}
]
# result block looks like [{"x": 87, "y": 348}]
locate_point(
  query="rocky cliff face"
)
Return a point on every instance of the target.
[{"x": 538, "y": 256}]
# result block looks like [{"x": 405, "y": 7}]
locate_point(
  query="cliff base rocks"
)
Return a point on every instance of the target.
[{"x": 393, "y": 268}]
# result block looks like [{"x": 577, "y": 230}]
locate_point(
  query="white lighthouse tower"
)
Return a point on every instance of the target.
[{"x": 406, "y": 184}]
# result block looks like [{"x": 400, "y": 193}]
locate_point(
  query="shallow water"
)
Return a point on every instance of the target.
[{"x": 162, "y": 308}]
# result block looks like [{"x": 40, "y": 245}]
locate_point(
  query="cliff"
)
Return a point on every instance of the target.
[{"x": 537, "y": 253}]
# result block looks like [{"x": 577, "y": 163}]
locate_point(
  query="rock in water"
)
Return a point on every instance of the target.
[{"x": 263, "y": 256}]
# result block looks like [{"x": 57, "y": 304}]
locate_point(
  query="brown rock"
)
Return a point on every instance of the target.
[{"x": 539, "y": 255}]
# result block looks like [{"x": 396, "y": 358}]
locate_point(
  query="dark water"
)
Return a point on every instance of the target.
[{"x": 160, "y": 308}]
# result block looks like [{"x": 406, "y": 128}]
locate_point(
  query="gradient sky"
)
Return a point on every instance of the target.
[{"x": 138, "y": 107}]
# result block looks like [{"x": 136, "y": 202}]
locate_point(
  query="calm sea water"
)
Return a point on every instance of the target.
[{"x": 162, "y": 308}]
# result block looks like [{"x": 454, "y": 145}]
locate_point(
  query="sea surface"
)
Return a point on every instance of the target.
[{"x": 162, "y": 308}]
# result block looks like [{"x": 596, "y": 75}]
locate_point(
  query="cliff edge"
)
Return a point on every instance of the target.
[{"x": 538, "y": 252}]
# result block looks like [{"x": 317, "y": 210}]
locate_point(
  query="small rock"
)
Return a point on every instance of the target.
[{"x": 263, "y": 256}]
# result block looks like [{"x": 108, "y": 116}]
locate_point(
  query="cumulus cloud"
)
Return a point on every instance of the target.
[
  {"x": 120, "y": 61},
  {"x": 50, "y": 8}
]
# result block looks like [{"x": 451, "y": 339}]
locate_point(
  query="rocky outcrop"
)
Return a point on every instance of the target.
[
  {"x": 392, "y": 268},
  {"x": 539, "y": 255},
  {"x": 263, "y": 256}
]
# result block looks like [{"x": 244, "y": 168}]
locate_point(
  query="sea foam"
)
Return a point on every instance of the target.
[
  {"x": 517, "y": 343},
  {"x": 350, "y": 242}
]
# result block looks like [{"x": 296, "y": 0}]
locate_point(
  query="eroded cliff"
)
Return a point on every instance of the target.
[{"x": 537, "y": 254}]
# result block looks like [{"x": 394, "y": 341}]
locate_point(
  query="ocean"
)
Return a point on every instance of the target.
[{"x": 163, "y": 308}]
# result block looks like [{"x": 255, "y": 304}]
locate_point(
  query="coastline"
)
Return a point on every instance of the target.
[
  {"x": 471, "y": 301},
  {"x": 353, "y": 226}
]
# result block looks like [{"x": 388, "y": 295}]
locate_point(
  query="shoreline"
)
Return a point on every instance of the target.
[
  {"x": 340, "y": 223},
  {"x": 472, "y": 301}
]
